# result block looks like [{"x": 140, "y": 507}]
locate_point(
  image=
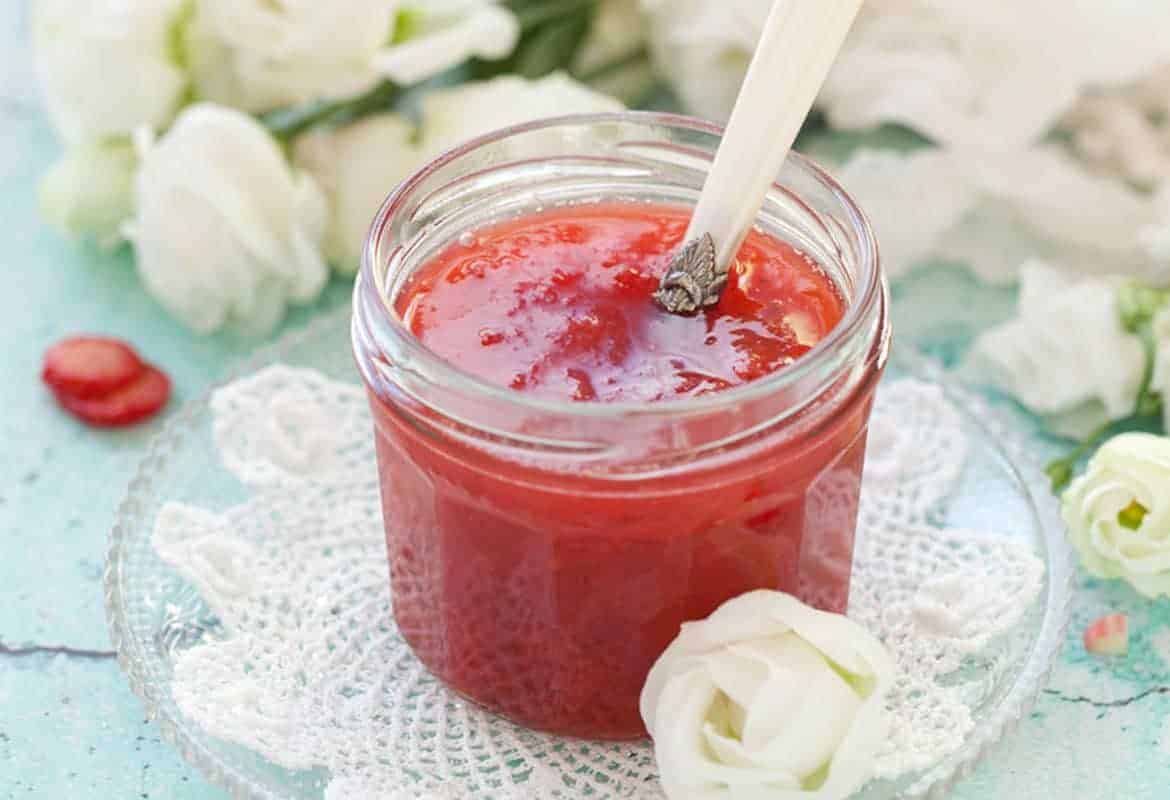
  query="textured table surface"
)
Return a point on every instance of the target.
[{"x": 69, "y": 726}]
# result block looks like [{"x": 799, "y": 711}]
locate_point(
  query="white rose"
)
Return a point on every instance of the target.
[
  {"x": 1049, "y": 204},
  {"x": 357, "y": 166},
  {"x": 108, "y": 66},
  {"x": 1119, "y": 133},
  {"x": 360, "y": 164},
  {"x": 455, "y": 115},
  {"x": 703, "y": 48},
  {"x": 971, "y": 206},
  {"x": 913, "y": 201},
  {"x": 225, "y": 230},
  {"x": 967, "y": 73},
  {"x": 1067, "y": 351},
  {"x": 1155, "y": 236},
  {"x": 90, "y": 190},
  {"x": 258, "y": 55},
  {"x": 768, "y": 699},
  {"x": 447, "y": 33},
  {"x": 1118, "y": 512}
]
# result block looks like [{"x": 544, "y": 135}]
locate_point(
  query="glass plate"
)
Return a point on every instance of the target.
[{"x": 153, "y": 614}]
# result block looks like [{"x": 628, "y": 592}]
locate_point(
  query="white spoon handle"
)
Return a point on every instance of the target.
[{"x": 800, "y": 41}]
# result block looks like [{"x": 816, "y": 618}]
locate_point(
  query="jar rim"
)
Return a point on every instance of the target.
[{"x": 870, "y": 288}]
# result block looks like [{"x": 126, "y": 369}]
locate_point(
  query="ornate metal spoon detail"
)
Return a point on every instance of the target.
[{"x": 694, "y": 279}]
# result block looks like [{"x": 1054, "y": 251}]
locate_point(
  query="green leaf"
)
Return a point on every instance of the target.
[
  {"x": 553, "y": 46},
  {"x": 535, "y": 15},
  {"x": 1060, "y": 473},
  {"x": 1149, "y": 403},
  {"x": 551, "y": 32}
]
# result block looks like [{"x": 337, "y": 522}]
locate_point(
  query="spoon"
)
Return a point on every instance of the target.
[{"x": 799, "y": 43}]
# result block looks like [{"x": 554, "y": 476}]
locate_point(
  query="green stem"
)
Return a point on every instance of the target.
[
  {"x": 1149, "y": 402},
  {"x": 286, "y": 124},
  {"x": 609, "y": 68},
  {"x": 1060, "y": 470},
  {"x": 535, "y": 16}
]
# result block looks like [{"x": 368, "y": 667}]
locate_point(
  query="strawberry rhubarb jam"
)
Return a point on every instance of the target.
[
  {"x": 568, "y": 472},
  {"x": 560, "y": 305}
]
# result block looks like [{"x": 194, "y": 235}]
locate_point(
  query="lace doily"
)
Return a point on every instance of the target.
[{"x": 305, "y": 665}]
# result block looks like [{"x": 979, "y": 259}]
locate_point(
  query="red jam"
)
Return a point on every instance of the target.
[
  {"x": 547, "y": 595},
  {"x": 560, "y": 305}
]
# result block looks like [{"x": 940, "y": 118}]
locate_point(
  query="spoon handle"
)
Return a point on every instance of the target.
[{"x": 800, "y": 41}]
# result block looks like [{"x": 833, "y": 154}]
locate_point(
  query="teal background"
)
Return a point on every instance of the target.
[{"x": 69, "y": 725}]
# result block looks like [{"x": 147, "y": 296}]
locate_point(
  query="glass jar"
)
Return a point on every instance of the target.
[{"x": 544, "y": 553}]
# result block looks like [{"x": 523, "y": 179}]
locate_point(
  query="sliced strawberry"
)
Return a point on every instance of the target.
[
  {"x": 90, "y": 366},
  {"x": 136, "y": 401},
  {"x": 1108, "y": 636}
]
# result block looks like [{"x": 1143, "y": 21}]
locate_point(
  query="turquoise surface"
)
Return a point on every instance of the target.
[{"x": 69, "y": 726}]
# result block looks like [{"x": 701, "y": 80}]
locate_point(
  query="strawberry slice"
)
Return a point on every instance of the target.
[
  {"x": 90, "y": 366},
  {"x": 143, "y": 397},
  {"x": 1108, "y": 636}
]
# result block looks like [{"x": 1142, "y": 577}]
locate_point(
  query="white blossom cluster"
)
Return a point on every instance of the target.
[
  {"x": 1047, "y": 161},
  {"x": 157, "y": 104},
  {"x": 1051, "y": 166}
]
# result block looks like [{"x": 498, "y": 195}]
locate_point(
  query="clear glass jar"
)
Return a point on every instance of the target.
[{"x": 544, "y": 553}]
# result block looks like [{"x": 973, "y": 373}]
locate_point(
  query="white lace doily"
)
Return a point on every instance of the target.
[{"x": 307, "y": 667}]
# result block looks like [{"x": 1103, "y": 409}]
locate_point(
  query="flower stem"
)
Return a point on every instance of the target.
[
  {"x": 1060, "y": 470},
  {"x": 285, "y": 124},
  {"x": 602, "y": 71},
  {"x": 1149, "y": 401}
]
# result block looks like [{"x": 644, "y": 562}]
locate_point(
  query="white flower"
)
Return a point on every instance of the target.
[
  {"x": 357, "y": 166},
  {"x": 108, "y": 66},
  {"x": 912, "y": 201},
  {"x": 1121, "y": 133},
  {"x": 1155, "y": 237},
  {"x": 995, "y": 210},
  {"x": 226, "y": 231},
  {"x": 768, "y": 698},
  {"x": 90, "y": 190},
  {"x": 1048, "y": 192},
  {"x": 455, "y": 115},
  {"x": 1066, "y": 352},
  {"x": 1118, "y": 512},
  {"x": 704, "y": 48},
  {"x": 258, "y": 55},
  {"x": 972, "y": 73},
  {"x": 448, "y": 32}
]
